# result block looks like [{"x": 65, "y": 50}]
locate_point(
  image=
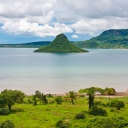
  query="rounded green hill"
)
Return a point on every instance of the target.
[{"x": 60, "y": 44}]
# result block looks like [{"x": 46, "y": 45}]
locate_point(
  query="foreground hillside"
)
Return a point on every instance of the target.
[
  {"x": 114, "y": 38},
  {"x": 60, "y": 44},
  {"x": 26, "y": 115}
]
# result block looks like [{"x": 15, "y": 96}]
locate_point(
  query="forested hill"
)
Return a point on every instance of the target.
[
  {"x": 113, "y": 38},
  {"x": 60, "y": 44},
  {"x": 26, "y": 45}
]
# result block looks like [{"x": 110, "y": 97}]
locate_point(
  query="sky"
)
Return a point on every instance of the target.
[{"x": 24, "y": 21}]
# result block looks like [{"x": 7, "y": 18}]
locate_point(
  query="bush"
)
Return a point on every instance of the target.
[
  {"x": 4, "y": 111},
  {"x": 99, "y": 103},
  {"x": 7, "y": 124},
  {"x": 80, "y": 116},
  {"x": 62, "y": 124},
  {"x": 117, "y": 104},
  {"x": 49, "y": 95},
  {"x": 97, "y": 111},
  {"x": 58, "y": 100},
  {"x": 107, "y": 122}
]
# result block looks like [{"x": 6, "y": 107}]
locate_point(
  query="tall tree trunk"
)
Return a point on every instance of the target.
[
  {"x": 92, "y": 100},
  {"x": 89, "y": 100},
  {"x": 72, "y": 101}
]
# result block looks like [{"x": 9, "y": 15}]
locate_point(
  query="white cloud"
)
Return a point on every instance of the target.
[
  {"x": 91, "y": 9},
  {"x": 93, "y": 26},
  {"x": 75, "y": 36},
  {"x": 50, "y": 17},
  {"x": 24, "y": 27}
]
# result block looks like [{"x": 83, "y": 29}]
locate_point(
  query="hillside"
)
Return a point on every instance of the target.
[
  {"x": 114, "y": 38},
  {"x": 26, "y": 45},
  {"x": 60, "y": 44}
]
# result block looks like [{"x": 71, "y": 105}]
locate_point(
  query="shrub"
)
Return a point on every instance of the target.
[
  {"x": 107, "y": 122},
  {"x": 51, "y": 101},
  {"x": 62, "y": 124},
  {"x": 4, "y": 111},
  {"x": 99, "y": 103},
  {"x": 7, "y": 124},
  {"x": 117, "y": 104},
  {"x": 30, "y": 101},
  {"x": 58, "y": 100},
  {"x": 97, "y": 111},
  {"x": 79, "y": 116},
  {"x": 49, "y": 95}
]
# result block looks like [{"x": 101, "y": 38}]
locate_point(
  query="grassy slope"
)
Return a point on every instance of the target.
[
  {"x": 60, "y": 44},
  {"x": 46, "y": 116}
]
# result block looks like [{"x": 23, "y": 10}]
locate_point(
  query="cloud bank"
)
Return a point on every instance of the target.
[{"x": 45, "y": 18}]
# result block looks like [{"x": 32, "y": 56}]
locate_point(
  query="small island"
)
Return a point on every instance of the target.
[{"x": 60, "y": 44}]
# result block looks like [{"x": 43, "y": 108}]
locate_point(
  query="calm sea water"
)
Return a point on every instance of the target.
[{"x": 25, "y": 70}]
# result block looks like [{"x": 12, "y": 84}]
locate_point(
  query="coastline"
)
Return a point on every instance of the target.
[{"x": 118, "y": 94}]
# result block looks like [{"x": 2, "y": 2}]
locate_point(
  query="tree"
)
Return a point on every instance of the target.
[
  {"x": 11, "y": 97},
  {"x": 109, "y": 91},
  {"x": 91, "y": 93},
  {"x": 2, "y": 102},
  {"x": 43, "y": 99},
  {"x": 39, "y": 97},
  {"x": 36, "y": 97},
  {"x": 71, "y": 95}
]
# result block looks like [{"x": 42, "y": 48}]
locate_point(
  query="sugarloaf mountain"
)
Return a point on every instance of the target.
[{"x": 60, "y": 44}]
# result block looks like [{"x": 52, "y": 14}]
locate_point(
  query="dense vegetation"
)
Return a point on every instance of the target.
[
  {"x": 60, "y": 44},
  {"x": 69, "y": 111},
  {"x": 115, "y": 38}
]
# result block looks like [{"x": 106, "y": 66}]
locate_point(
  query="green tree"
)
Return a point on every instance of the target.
[
  {"x": 36, "y": 97},
  {"x": 43, "y": 99},
  {"x": 2, "y": 102},
  {"x": 39, "y": 97},
  {"x": 71, "y": 95},
  {"x": 91, "y": 93},
  {"x": 109, "y": 91},
  {"x": 11, "y": 97}
]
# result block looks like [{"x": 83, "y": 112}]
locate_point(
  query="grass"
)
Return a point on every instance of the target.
[{"x": 46, "y": 116}]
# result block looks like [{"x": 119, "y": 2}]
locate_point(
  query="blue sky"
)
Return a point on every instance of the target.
[{"x": 24, "y": 21}]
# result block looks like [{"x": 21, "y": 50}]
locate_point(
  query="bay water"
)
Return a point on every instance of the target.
[{"x": 57, "y": 73}]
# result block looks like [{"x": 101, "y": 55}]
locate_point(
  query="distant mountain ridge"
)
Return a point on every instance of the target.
[
  {"x": 113, "y": 38},
  {"x": 26, "y": 45},
  {"x": 60, "y": 44}
]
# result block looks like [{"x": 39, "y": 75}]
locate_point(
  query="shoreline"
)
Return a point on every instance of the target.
[{"x": 118, "y": 94}]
